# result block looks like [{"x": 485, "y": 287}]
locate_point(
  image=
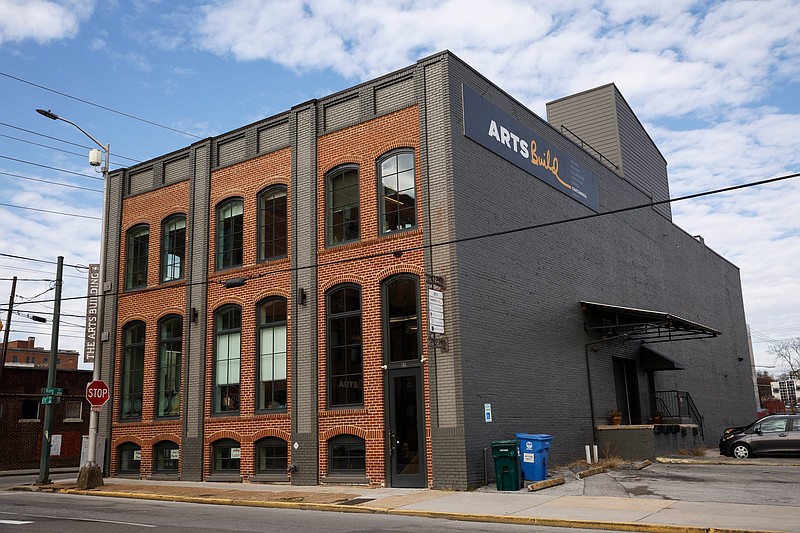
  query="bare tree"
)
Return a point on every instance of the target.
[{"x": 787, "y": 353}]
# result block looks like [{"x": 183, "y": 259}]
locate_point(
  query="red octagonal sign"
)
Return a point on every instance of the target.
[{"x": 97, "y": 393}]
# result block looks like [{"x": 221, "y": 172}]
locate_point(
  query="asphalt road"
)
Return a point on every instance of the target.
[{"x": 46, "y": 512}]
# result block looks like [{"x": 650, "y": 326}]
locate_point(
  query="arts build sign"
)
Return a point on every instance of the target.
[{"x": 506, "y": 137}]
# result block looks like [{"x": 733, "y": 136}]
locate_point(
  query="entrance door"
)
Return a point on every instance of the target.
[
  {"x": 626, "y": 381},
  {"x": 406, "y": 443}
]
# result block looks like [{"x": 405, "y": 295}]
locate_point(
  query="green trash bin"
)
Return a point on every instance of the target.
[{"x": 506, "y": 464}]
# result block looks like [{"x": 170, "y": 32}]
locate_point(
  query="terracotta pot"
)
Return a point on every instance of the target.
[{"x": 616, "y": 420}]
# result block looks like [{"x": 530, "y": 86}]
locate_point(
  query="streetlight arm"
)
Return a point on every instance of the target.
[{"x": 52, "y": 116}]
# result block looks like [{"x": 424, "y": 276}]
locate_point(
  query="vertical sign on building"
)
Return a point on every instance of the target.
[
  {"x": 93, "y": 292},
  {"x": 436, "y": 311}
]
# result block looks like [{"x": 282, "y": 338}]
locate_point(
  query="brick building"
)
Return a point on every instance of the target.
[
  {"x": 372, "y": 286},
  {"x": 22, "y": 417},
  {"x": 25, "y": 352}
]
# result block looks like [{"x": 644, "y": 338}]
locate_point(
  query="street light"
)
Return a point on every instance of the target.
[{"x": 91, "y": 475}]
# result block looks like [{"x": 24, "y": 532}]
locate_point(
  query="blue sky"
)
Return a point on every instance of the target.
[{"x": 716, "y": 84}]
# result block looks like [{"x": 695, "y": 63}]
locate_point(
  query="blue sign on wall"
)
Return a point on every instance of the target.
[{"x": 492, "y": 128}]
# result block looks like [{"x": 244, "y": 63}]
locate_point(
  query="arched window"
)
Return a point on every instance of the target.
[
  {"x": 168, "y": 385},
  {"x": 272, "y": 354},
  {"x": 342, "y": 197},
  {"x": 271, "y": 456},
  {"x": 132, "y": 371},
  {"x": 401, "y": 318},
  {"x": 397, "y": 192},
  {"x": 347, "y": 456},
  {"x": 345, "y": 363},
  {"x": 129, "y": 458},
  {"x": 136, "y": 250},
  {"x": 272, "y": 223},
  {"x": 165, "y": 457},
  {"x": 227, "y": 358},
  {"x": 173, "y": 248},
  {"x": 230, "y": 232},
  {"x": 226, "y": 456}
]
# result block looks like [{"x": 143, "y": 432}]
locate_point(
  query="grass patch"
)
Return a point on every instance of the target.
[{"x": 695, "y": 450}]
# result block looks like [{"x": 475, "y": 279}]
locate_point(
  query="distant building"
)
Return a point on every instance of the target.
[
  {"x": 372, "y": 286},
  {"x": 25, "y": 353},
  {"x": 22, "y": 417},
  {"x": 787, "y": 391}
]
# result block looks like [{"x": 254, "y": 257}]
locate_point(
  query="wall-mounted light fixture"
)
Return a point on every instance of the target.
[
  {"x": 301, "y": 296},
  {"x": 194, "y": 315},
  {"x": 234, "y": 282}
]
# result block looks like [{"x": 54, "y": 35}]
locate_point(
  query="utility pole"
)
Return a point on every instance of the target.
[
  {"x": 8, "y": 325},
  {"x": 44, "y": 464}
]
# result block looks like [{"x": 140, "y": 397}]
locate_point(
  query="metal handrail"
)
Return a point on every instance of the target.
[
  {"x": 677, "y": 404},
  {"x": 591, "y": 148}
]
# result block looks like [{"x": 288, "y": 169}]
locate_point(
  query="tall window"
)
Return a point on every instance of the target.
[
  {"x": 230, "y": 226},
  {"x": 173, "y": 248},
  {"x": 345, "y": 365},
  {"x": 272, "y": 354},
  {"x": 165, "y": 457},
  {"x": 168, "y": 387},
  {"x": 227, "y": 358},
  {"x": 402, "y": 328},
  {"x": 398, "y": 195},
  {"x": 347, "y": 455},
  {"x": 132, "y": 371},
  {"x": 138, "y": 239},
  {"x": 272, "y": 224},
  {"x": 342, "y": 200},
  {"x": 271, "y": 456}
]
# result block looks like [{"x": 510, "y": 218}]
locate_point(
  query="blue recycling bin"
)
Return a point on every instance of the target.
[{"x": 533, "y": 450}]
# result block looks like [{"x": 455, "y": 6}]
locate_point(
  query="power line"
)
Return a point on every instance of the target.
[
  {"x": 100, "y": 106},
  {"x": 51, "y": 212},
  {"x": 51, "y": 168},
  {"x": 15, "y": 267},
  {"x": 59, "y": 140},
  {"x": 34, "y": 260},
  {"x": 50, "y": 182},
  {"x": 458, "y": 240}
]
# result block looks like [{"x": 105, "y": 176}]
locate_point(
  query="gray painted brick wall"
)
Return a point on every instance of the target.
[{"x": 304, "y": 334}]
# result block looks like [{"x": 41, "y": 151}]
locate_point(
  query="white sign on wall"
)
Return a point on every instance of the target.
[{"x": 435, "y": 311}]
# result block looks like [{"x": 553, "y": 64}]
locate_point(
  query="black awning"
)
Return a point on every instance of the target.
[
  {"x": 641, "y": 324},
  {"x": 655, "y": 361}
]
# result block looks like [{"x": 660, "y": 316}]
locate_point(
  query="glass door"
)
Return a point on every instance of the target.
[{"x": 406, "y": 429}]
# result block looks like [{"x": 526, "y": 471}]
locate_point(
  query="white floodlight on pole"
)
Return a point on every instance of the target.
[{"x": 91, "y": 474}]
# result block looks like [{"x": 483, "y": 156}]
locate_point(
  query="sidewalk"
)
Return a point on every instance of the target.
[{"x": 556, "y": 506}]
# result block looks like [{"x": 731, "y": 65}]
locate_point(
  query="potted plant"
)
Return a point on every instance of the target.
[
  {"x": 658, "y": 417},
  {"x": 615, "y": 415}
]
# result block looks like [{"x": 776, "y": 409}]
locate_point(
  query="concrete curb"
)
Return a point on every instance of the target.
[
  {"x": 724, "y": 461},
  {"x": 462, "y": 517},
  {"x": 546, "y": 484},
  {"x": 592, "y": 472}
]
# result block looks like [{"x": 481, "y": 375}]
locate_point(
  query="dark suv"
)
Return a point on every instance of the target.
[{"x": 771, "y": 435}]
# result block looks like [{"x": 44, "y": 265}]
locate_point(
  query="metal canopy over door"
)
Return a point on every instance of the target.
[{"x": 406, "y": 441}]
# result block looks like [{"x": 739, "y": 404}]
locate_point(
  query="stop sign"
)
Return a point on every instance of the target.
[{"x": 97, "y": 393}]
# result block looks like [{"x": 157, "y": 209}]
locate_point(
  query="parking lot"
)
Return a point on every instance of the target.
[{"x": 712, "y": 478}]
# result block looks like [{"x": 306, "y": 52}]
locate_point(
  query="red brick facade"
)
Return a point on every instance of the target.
[
  {"x": 360, "y": 145},
  {"x": 148, "y": 306}
]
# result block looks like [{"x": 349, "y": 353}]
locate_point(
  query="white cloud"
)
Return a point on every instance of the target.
[{"x": 42, "y": 20}]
